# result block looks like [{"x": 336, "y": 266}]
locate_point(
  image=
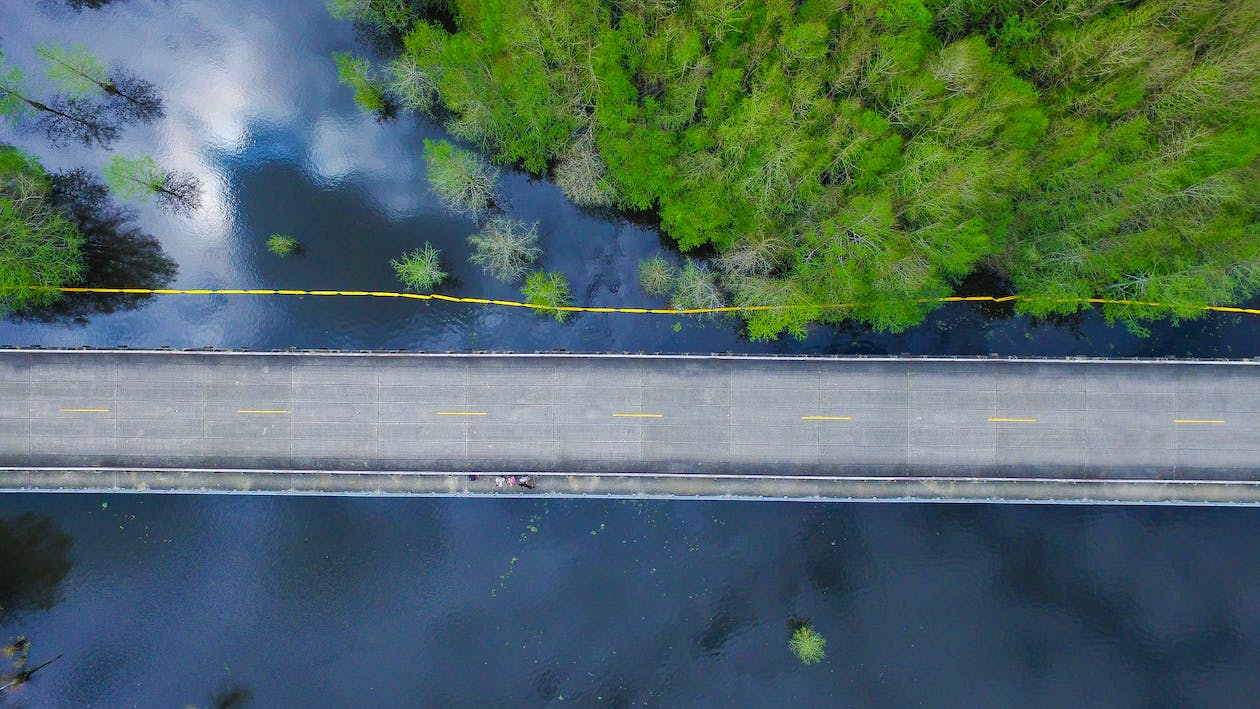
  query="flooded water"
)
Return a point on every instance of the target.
[{"x": 167, "y": 600}]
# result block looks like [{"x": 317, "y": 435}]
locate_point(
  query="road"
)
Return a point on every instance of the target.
[{"x": 1074, "y": 420}]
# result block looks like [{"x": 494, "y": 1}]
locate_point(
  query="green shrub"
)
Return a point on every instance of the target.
[
  {"x": 282, "y": 244},
  {"x": 462, "y": 180},
  {"x": 581, "y": 174},
  {"x": 808, "y": 644},
  {"x": 549, "y": 289},
  {"x": 421, "y": 269},
  {"x": 505, "y": 248},
  {"x": 657, "y": 275},
  {"x": 696, "y": 288}
]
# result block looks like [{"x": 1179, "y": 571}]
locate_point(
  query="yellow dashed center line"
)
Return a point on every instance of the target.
[
  {"x": 639, "y": 416},
  {"x": 85, "y": 411},
  {"x": 262, "y": 411},
  {"x": 826, "y": 418},
  {"x": 460, "y": 413},
  {"x": 999, "y": 419},
  {"x": 1198, "y": 420}
]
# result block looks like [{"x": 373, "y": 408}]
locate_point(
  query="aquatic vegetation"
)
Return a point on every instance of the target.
[
  {"x": 808, "y": 645},
  {"x": 582, "y": 174},
  {"x": 282, "y": 244},
  {"x": 656, "y": 275},
  {"x": 505, "y": 248},
  {"x": 421, "y": 269},
  {"x": 549, "y": 289},
  {"x": 696, "y": 287},
  {"x": 463, "y": 181}
]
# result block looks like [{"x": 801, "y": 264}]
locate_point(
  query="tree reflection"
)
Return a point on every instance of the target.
[
  {"x": 118, "y": 254},
  {"x": 34, "y": 559},
  {"x": 88, "y": 4},
  {"x": 233, "y": 697}
]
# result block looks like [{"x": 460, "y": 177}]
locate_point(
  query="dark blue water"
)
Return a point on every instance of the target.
[
  {"x": 167, "y": 601},
  {"x": 318, "y": 602}
]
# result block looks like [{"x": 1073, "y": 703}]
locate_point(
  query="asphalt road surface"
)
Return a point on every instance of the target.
[{"x": 604, "y": 414}]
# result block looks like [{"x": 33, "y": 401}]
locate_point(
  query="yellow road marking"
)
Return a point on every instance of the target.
[
  {"x": 1198, "y": 420},
  {"x": 826, "y": 418},
  {"x": 262, "y": 411},
  {"x": 639, "y": 416},
  {"x": 86, "y": 411},
  {"x": 460, "y": 413},
  {"x": 999, "y": 419}
]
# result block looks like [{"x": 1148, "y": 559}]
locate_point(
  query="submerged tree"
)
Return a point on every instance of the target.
[
  {"x": 369, "y": 93},
  {"x": 462, "y": 180},
  {"x": 582, "y": 174},
  {"x": 696, "y": 288},
  {"x": 142, "y": 178},
  {"x": 549, "y": 289},
  {"x": 80, "y": 74},
  {"x": 40, "y": 247},
  {"x": 809, "y": 646},
  {"x": 383, "y": 15},
  {"x": 421, "y": 269},
  {"x": 657, "y": 275},
  {"x": 62, "y": 118},
  {"x": 282, "y": 244},
  {"x": 505, "y": 248}
]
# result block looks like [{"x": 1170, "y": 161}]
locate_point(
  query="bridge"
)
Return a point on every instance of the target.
[{"x": 825, "y": 428}]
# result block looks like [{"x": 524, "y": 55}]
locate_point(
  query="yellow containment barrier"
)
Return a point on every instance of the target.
[{"x": 594, "y": 309}]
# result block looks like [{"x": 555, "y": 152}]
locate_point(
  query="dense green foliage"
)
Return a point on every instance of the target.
[
  {"x": 549, "y": 289},
  {"x": 39, "y": 245},
  {"x": 874, "y": 152},
  {"x": 421, "y": 269}
]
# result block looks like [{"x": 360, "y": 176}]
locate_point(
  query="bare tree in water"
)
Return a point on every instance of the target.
[
  {"x": 80, "y": 74},
  {"x": 143, "y": 178},
  {"x": 62, "y": 118}
]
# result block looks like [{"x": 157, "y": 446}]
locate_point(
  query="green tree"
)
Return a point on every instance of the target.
[
  {"x": 40, "y": 247},
  {"x": 549, "y": 289},
  {"x": 142, "y": 178},
  {"x": 420, "y": 270}
]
